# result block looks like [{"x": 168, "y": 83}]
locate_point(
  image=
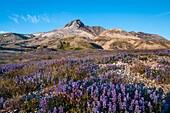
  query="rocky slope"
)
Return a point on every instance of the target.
[
  {"x": 76, "y": 35},
  {"x": 147, "y": 36}
]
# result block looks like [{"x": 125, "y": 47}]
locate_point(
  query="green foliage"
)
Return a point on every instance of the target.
[
  {"x": 28, "y": 50},
  {"x": 61, "y": 47},
  {"x": 49, "y": 57},
  {"x": 31, "y": 106},
  {"x": 78, "y": 48},
  {"x": 136, "y": 51},
  {"x": 64, "y": 42},
  {"x": 92, "y": 47},
  {"x": 2, "y": 62},
  {"x": 68, "y": 44}
]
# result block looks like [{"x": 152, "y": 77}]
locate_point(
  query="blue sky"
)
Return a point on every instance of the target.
[{"x": 30, "y": 16}]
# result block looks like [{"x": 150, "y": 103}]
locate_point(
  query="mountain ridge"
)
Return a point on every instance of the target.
[{"x": 76, "y": 32}]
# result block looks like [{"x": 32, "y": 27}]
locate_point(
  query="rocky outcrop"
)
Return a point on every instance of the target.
[{"x": 75, "y": 23}]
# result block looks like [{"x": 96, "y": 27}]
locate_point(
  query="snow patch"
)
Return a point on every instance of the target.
[{"x": 27, "y": 36}]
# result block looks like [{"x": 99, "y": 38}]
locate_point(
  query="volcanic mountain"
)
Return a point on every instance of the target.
[{"x": 75, "y": 36}]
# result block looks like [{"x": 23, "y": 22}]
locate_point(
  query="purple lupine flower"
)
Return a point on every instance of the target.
[
  {"x": 130, "y": 107},
  {"x": 158, "y": 76},
  {"x": 142, "y": 108},
  {"x": 16, "y": 80},
  {"x": 108, "y": 93},
  {"x": 72, "y": 95},
  {"x": 150, "y": 106},
  {"x": 148, "y": 91},
  {"x": 124, "y": 105},
  {"x": 46, "y": 94},
  {"x": 136, "y": 94},
  {"x": 4, "y": 105},
  {"x": 133, "y": 102},
  {"x": 163, "y": 79},
  {"x": 154, "y": 93},
  {"x": 151, "y": 96},
  {"x": 124, "y": 99},
  {"x": 155, "y": 99},
  {"x": 127, "y": 97},
  {"x": 98, "y": 104},
  {"x": 141, "y": 101},
  {"x": 61, "y": 109},
  {"x": 55, "y": 110},
  {"x": 136, "y": 102},
  {"x": 52, "y": 78},
  {"x": 110, "y": 109},
  {"x": 114, "y": 108},
  {"x": 39, "y": 111},
  {"x": 1, "y": 100},
  {"x": 104, "y": 104},
  {"x": 94, "y": 104},
  {"x": 157, "y": 79},
  {"x": 20, "y": 79},
  {"x": 123, "y": 89},
  {"x": 94, "y": 110},
  {"x": 49, "y": 111},
  {"x": 137, "y": 109},
  {"x": 88, "y": 104},
  {"x": 163, "y": 101},
  {"x": 119, "y": 97},
  {"x": 42, "y": 103},
  {"x": 77, "y": 106},
  {"x": 114, "y": 98},
  {"x": 151, "y": 77},
  {"x": 52, "y": 94},
  {"x": 110, "y": 106},
  {"x": 119, "y": 78},
  {"x": 64, "y": 92}
]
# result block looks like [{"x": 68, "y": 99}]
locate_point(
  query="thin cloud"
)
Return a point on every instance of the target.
[
  {"x": 33, "y": 19},
  {"x": 46, "y": 19},
  {"x": 23, "y": 18},
  {"x": 1, "y": 32},
  {"x": 163, "y": 14},
  {"x": 30, "y": 18},
  {"x": 15, "y": 19},
  {"x": 16, "y": 15}
]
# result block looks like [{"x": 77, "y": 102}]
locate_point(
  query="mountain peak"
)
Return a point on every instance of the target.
[{"x": 75, "y": 23}]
